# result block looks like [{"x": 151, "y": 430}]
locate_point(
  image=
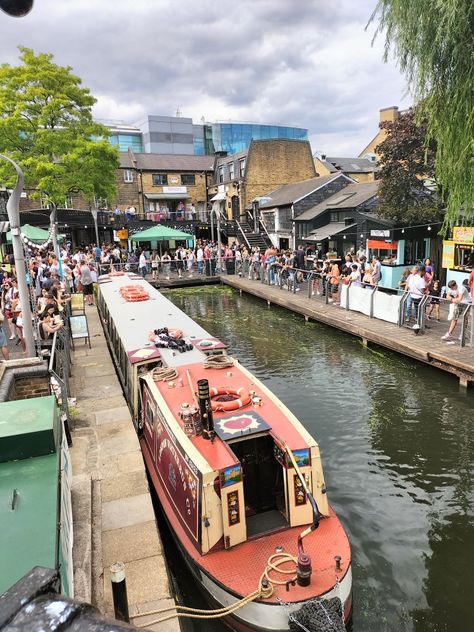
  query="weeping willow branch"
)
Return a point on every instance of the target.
[{"x": 433, "y": 42}]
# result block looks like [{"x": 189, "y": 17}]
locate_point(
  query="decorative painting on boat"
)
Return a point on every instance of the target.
[
  {"x": 179, "y": 477},
  {"x": 231, "y": 475},
  {"x": 301, "y": 458},
  {"x": 300, "y": 494},
  {"x": 233, "y": 508}
]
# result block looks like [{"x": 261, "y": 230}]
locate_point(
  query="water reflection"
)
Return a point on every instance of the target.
[{"x": 397, "y": 445}]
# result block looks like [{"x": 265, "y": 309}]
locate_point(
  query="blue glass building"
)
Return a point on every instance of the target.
[{"x": 235, "y": 137}]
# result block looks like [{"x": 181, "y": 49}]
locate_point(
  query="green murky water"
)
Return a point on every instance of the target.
[{"x": 397, "y": 441}]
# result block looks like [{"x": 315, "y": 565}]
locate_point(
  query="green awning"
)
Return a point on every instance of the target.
[
  {"x": 33, "y": 233},
  {"x": 160, "y": 233}
]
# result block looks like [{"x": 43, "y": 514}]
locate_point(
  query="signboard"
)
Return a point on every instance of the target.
[
  {"x": 380, "y": 233},
  {"x": 79, "y": 328},
  {"x": 175, "y": 189},
  {"x": 448, "y": 254},
  {"x": 463, "y": 234}
]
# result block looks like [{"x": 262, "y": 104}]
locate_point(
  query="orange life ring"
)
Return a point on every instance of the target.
[
  {"x": 242, "y": 398},
  {"x": 134, "y": 293}
]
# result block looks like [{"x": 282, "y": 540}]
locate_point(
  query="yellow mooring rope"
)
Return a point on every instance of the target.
[{"x": 264, "y": 591}]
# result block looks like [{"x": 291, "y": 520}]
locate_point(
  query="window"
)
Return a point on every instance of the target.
[
  {"x": 68, "y": 202},
  {"x": 188, "y": 178},
  {"x": 221, "y": 174},
  {"x": 231, "y": 171},
  {"x": 159, "y": 179},
  {"x": 242, "y": 167},
  {"x": 334, "y": 216},
  {"x": 128, "y": 175}
]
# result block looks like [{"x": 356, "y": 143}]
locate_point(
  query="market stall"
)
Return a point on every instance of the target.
[{"x": 458, "y": 254}]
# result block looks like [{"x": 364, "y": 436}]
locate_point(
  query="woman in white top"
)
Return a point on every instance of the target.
[
  {"x": 142, "y": 264},
  {"x": 190, "y": 261},
  {"x": 458, "y": 295},
  {"x": 155, "y": 264}
]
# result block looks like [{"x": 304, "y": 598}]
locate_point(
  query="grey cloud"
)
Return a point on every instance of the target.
[{"x": 303, "y": 62}]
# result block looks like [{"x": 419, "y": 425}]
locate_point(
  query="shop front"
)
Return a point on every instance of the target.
[{"x": 458, "y": 254}]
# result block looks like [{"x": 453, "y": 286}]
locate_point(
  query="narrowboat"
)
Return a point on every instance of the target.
[{"x": 239, "y": 478}]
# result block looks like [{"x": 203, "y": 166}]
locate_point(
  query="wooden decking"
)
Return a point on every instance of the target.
[{"x": 427, "y": 348}]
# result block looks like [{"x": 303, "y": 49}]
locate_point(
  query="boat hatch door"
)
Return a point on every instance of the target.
[
  {"x": 233, "y": 506},
  {"x": 299, "y": 506}
]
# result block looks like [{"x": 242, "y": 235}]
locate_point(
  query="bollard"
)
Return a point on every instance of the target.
[{"x": 119, "y": 591}]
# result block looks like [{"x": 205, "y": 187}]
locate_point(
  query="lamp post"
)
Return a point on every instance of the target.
[
  {"x": 94, "y": 212},
  {"x": 13, "y": 210}
]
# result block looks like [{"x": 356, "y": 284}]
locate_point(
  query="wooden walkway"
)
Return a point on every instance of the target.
[{"x": 427, "y": 348}]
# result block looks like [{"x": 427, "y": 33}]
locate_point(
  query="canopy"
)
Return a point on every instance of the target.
[
  {"x": 33, "y": 233},
  {"x": 160, "y": 233}
]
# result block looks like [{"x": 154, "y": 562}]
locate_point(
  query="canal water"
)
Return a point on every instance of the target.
[{"x": 397, "y": 442}]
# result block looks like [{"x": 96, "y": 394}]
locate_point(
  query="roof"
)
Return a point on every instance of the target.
[
  {"x": 351, "y": 196},
  {"x": 354, "y": 165},
  {"x": 160, "y": 233},
  {"x": 290, "y": 193},
  {"x": 328, "y": 231},
  {"x": 167, "y": 162},
  {"x": 349, "y": 165}
]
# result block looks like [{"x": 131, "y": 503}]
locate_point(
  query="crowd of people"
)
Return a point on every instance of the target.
[{"x": 52, "y": 280}]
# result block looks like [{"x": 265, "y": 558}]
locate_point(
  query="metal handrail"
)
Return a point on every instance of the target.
[
  {"x": 243, "y": 234},
  {"x": 464, "y": 322}
]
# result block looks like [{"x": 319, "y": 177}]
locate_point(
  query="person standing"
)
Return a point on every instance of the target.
[
  {"x": 376, "y": 271},
  {"x": 416, "y": 287},
  {"x": 142, "y": 264},
  {"x": 86, "y": 281},
  {"x": 458, "y": 295},
  {"x": 166, "y": 262},
  {"x": 155, "y": 263}
]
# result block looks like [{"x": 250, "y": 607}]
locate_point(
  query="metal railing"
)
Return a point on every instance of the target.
[{"x": 429, "y": 315}]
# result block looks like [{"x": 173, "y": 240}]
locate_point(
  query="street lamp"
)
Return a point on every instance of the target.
[
  {"x": 94, "y": 212},
  {"x": 13, "y": 210},
  {"x": 217, "y": 213}
]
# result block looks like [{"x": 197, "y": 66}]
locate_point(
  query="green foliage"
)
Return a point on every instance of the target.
[
  {"x": 407, "y": 165},
  {"x": 434, "y": 44},
  {"x": 46, "y": 126}
]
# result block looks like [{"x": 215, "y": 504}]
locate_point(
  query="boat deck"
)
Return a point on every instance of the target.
[
  {"x": 241, "y": 567},
  {"x": 232, "y": 425}
]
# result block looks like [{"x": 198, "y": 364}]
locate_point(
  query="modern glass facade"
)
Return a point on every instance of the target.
[
  {"x": 235, "y": 137},
  {"x": 124, "y": 141}
]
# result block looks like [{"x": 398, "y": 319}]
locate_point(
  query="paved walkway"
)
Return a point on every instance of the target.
[
  {"x": 426, "y": 348},
  {"x": 112, "y": 508}
]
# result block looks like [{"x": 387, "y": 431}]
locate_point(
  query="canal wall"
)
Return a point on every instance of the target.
[
  {"x": 113, "y": 515},
  {"x": 433, "y": 351}
]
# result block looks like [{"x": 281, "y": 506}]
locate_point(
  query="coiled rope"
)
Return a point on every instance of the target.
[
  {"x": 218, "y": 362},
  {"x": 264, "y": 591},
  {"x": 164, "y": 374}
]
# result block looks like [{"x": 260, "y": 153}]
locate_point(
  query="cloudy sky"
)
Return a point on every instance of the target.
[{"x": 309, "y": 63}]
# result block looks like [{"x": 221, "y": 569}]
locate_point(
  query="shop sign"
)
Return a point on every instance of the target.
[
  {"x": 175, "y": 189},
  {"x": 448, "y": 254},
  {"x": 380, "y": 233},
  {"x": 463, "y": 234}
]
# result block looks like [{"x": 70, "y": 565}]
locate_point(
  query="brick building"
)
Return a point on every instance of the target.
[
  {"x": 265, "y": 165},
  {"x": 157, "y": 184}
]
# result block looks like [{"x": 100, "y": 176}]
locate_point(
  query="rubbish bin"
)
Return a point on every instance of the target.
[{"x": 230, "y": 265}]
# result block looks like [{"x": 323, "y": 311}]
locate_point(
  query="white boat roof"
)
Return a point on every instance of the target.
[{"x": 134, "y": 321}]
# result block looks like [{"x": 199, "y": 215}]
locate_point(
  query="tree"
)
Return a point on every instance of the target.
[
  {"x": 434, "y": 45},
  {"x": 407, "y": 190},
  {"x": 46, "y": 126}
]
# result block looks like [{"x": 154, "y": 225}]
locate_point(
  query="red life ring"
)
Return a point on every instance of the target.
[{"x": 241, "y": 398}]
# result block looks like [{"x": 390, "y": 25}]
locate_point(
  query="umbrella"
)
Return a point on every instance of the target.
[
  {"x": 160, "y": 233},
  {"x": 33, "y": 233}
]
